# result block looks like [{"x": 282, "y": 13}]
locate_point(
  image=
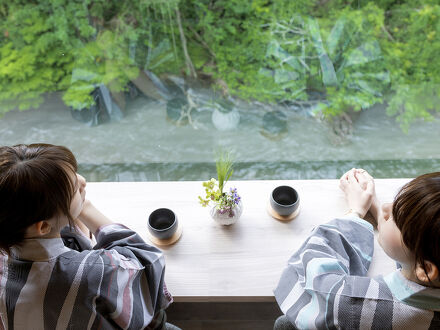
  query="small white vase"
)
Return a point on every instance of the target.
[{"x": 226, "y": 218}]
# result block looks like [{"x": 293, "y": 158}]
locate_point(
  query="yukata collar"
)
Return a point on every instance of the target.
[
  {"x": 39, "y": 249},
  {"x": 412, "y": 293}
]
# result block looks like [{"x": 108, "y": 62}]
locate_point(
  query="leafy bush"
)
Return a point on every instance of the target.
[
  {"x": 72, "y": 46},
  {"x": 412, "y": 57}
]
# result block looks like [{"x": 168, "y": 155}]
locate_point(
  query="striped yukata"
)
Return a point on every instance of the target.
[
  {"x": 325, "y": 285},
  {"x": 117, "y": 284}
]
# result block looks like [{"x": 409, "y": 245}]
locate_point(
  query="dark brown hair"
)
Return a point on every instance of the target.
[
  {"x": 416, "y": 212},
  {"x": 35, "y": 185}
]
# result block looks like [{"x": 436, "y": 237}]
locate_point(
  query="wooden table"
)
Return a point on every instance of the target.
[{"x": 241, "y": 262}]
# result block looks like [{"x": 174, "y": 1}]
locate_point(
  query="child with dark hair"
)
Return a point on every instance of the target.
[
  {"x": 325, "y": 284},
  {"x": 118, "y": 283}
]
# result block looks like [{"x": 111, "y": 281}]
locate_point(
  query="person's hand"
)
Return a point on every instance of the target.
[
  {"x": 375, "y": 208},
  {"x": 359, "y": 190}
]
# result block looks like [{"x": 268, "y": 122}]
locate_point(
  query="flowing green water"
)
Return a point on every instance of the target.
[
  {"x": 310, "y": 170},
  {"x": 146, "y": 146}
]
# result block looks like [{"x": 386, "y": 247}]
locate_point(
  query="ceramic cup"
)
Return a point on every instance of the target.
[
  {"x": 284, "y": 200},
  {"x": 162, "y": 223}
]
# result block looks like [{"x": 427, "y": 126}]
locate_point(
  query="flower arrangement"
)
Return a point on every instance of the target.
[{"x": 225, "y": 203}]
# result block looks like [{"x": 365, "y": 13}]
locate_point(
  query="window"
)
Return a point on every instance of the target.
[{"x": 148, "y": 90}]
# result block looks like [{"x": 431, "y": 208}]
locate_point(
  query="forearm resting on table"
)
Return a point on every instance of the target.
[
  {"x": 83, "y": 228},
  {"x": 92, "y": 218}
]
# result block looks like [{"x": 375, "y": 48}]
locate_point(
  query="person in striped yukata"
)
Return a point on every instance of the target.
[
  {"x": 44, "y": 284},
  {"x": 325, "y": 284}
]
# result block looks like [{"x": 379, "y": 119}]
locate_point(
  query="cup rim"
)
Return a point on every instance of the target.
[
  {"x": 158, "y": 210},
  {"x": 284, "y": 205}
]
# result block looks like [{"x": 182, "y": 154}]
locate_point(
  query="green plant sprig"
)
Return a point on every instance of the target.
[{"x": 224, "y": 169}]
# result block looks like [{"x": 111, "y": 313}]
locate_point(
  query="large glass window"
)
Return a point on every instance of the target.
[{"x": 147, "y": 90}]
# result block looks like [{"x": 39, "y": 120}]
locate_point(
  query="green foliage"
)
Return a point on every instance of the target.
[
  {"x": 72, "y": 46},
  {"x": 354, "y": 53},
  {"x": 413, "y": 61},
  {"x": 361, "y": 74},
  {"x": 34, "y": 55},
  {"x": 411, "y": 102},
  {"x": 234, "y": 31},
  {"x": 338, "y": 56},
  {"x": 223, "y": 165}
]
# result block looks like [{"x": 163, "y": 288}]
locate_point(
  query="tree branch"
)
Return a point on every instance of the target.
[
  {"x": 188, "y": 61},
  {"x": 204, "y": 44},
  {"x": 384, "y": 29}
]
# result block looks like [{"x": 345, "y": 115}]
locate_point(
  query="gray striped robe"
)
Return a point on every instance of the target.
[
  {"x": 117, "y": 284},
  {"x": 325, "y": 285}
]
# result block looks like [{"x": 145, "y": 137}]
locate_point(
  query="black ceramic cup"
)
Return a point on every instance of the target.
[
  {"x": 162, "y": 223},
  {"x": 284, "y": 200}
]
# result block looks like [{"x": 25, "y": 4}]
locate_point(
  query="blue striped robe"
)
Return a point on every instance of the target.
[
  {"x": 117, "y": 284},
  {"x": 325, "y": 285}
]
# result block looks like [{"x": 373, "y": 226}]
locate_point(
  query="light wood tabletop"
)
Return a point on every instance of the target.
[{"x": 241, "y": 262}]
